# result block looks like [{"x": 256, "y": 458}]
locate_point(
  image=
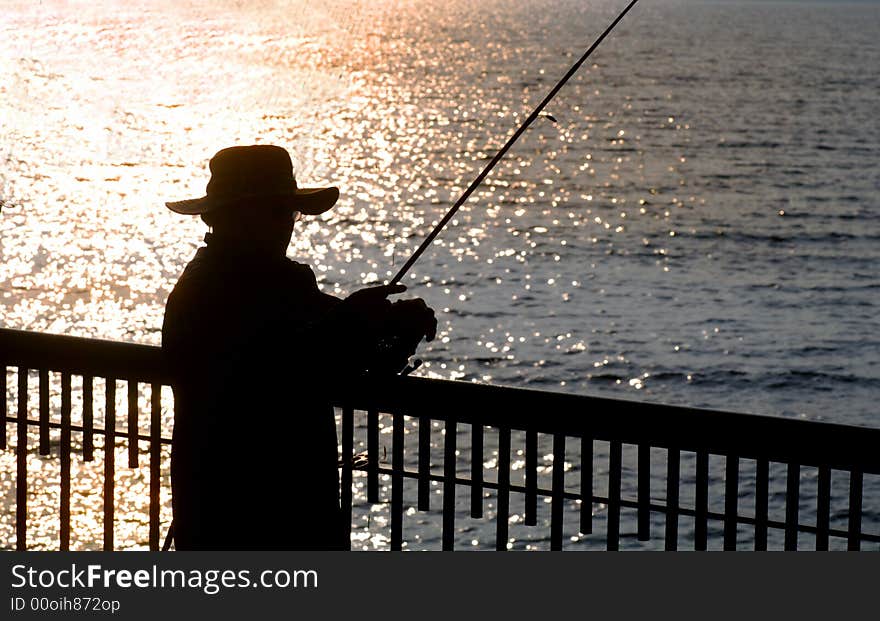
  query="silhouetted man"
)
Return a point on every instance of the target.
[{"x": 255, "y": 349}]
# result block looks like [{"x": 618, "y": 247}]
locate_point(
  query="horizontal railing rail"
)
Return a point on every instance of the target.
[
  {"x": 584, "y": 474},
  {"x": 633, "y": 422},
  {"x": 82, "y": 356}
]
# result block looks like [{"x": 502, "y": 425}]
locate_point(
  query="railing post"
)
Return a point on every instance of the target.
[
  {"x": 155, "y": 462},
  {"x": 644, "y": 492},
  {"x": 346, "y": 480},
  {"x": 762, "y": 476},
  {"x": 132, "y": 425},
  {"x": 558, "y": 491},
  {"x": 731, "y": 498},
  {"x": 476, "y": 470},
  {"x": 823, "y": 507},
  {"x": 43, "y": 375},
  {"x": 109, "y": 461},
  {"x": 449, "y": 446},
  {"x": 64, "y": 450},
  {"x": 88, "y": 419},
  {"x": 701, "y": 501},
  {"x": 854, "y": 529},
  {"x": 21, "y": 462},
  {"x": 372, "y": 456},
  {"x": 792, "y": 499},
  {"x": 3, "y": 404},
  {"x": 531, "y": 474},
  {"x": 613, "y": 525},
  {"x": 424, "y": 463},
  {"x": 397, "y": 481},
  {"x": 503, "y": 516},
  {"x": 673, "y": 467},
  {"x": 586, "y": 518}
]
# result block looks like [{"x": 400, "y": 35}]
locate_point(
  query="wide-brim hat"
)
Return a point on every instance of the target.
[{"x": 251, "y": 173}]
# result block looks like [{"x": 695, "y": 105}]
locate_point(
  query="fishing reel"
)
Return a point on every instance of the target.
[
  {"x": 392, "y": 354},
  {"x": 402, "y": 328}
]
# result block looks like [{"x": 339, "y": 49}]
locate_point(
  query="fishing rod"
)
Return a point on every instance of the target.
[{"x": 503, "y": 150}]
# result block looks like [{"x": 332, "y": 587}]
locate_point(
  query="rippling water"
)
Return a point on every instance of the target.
[{"x": 700, "y": 226}]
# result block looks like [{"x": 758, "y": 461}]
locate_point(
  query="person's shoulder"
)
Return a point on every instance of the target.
[
  {"x": 303, "y": 280},
  {"x": 298, "y": 267},
  {"x": 196, "y": 265},
  {"x": 197, "y": 278},
  {"x": 300, "y": 273}
]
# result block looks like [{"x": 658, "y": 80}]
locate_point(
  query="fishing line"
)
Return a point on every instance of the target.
[{"x": 501, "y": 152}]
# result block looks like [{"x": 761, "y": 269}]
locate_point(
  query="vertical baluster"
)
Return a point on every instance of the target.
[
  {"x": 476, "y": 470},
  {"x": 64, "y": 451},
  {"x": 3, "y": 404},
  {"x": 644, "y": 492},
  {"x": 854, "y": 529},
  {"x": 701, "y": 501},
  {"x": 44, "y": 412},
  {"x": 88, "y": 420},
  {"x": 762, "y": 477},
  {"x": 109, "y": 461},
  {"x": 731, "y": 498},
  {"x": 424, "y": 463},
  {"x": 792, "y": 499},
  {"x": 614, "y": 464},
  {"x": 449, "y": 444},
  {"x": 346, "y": 479},
  {"x": 21, "y": 463},
  {"x": 373, "y": 456},
  {"x": 673, "y": 468},
  {"x": 586, "y": 526},
  {"x": 132, "y": 424},
  {"x": 501, "y": 521},
  {"x": 823, "y": 508},
  {"x": 531, "y": 517},
  {"x": 397, "y": 481},
  {"x": 558, "y": 491},
  {"x": 155, "y": 462}
]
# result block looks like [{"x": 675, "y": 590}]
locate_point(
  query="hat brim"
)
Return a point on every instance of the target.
[{"x": 309, "y": 201}]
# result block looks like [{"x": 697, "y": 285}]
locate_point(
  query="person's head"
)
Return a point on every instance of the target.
[
  {"x": 252, "y": 199},
  {"x": 261, "y": 223}
]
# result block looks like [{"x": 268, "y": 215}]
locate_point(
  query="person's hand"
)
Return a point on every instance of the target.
[
  {"x": 387, "y": 334},
  {"x": 370, "y": 306},
  {"x": 406, "y": 323},
  {"x": 411, "y": 320}
]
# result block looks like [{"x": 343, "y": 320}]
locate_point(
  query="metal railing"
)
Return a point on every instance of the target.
[
  {"x": 38, "y": 354},
  {"x": 585, "y": 474}
]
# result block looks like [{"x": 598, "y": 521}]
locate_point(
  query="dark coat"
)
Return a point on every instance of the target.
[{"x": 250, "y": 341}]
